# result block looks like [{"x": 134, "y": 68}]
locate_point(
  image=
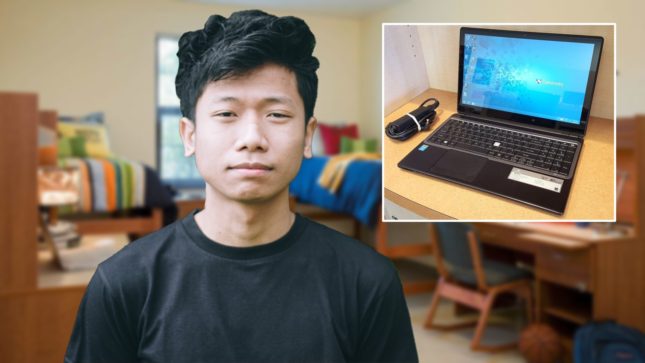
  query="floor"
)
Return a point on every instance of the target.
[{"x": 453, "y": 346}]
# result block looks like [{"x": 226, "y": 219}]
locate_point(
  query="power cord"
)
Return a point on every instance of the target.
[{"x": 413, "y": 122}]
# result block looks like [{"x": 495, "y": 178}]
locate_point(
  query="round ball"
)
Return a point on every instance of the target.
[{"x": 539, "y": 343}]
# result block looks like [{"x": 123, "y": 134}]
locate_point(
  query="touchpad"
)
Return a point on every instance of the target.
[{"x": 459, "y": 165}]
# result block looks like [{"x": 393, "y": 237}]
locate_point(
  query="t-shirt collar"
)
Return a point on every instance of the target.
[{"x": 242, "y": 253}]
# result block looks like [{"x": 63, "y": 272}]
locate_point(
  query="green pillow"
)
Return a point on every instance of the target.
[
  {"x": 72, "y": 147},
  {"x": 349, "y": 145},
  {"x": 64, "y": 147},
  {"x": 95, "y": 136}
]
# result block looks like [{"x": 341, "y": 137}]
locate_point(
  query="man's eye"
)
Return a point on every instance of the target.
[
  {"x": 279, "y": 115},
  {"x": 225, "y": 114}
]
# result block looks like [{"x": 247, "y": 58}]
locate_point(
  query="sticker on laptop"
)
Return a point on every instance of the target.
[
  {"x": 423, "y": 147},
  {"x": 537, "y": 180}
]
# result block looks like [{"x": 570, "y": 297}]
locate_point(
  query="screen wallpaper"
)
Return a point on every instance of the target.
[{"x": 540, "y": 78}]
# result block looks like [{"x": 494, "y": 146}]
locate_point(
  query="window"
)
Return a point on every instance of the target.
[{"x": 174, "y": 168}]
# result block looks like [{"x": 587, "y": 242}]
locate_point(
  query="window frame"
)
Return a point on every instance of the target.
[{"x": 160, "y": 113}]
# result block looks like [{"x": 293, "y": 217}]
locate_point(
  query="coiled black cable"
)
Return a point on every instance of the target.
[{"x": 413, "y": 122}]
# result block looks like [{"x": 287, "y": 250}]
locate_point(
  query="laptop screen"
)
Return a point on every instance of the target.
[{"x": 543, "y": 77}]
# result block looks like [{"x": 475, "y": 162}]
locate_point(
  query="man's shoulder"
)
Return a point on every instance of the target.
[
  {"x": 139, "y": 256},
  {"x": 350, "y": 254}
]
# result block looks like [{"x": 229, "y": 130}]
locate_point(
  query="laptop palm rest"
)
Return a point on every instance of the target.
[
  {"x": 481, "y": 173},
  {"x": 459, "y": 165}
]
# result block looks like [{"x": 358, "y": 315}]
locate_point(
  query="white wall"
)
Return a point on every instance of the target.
[
  {"x": 404, "y": 66},
  {"x": 82, "y": 56},
  {"x": 626, "y": 13}
]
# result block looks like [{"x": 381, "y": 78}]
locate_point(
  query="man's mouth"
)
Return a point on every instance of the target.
[{"x": 251, "y": 168}]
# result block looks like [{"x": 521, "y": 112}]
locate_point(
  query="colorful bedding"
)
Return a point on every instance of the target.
[
  {"x": 358, "y": 195},
  {"x": 111, "y": 184}
]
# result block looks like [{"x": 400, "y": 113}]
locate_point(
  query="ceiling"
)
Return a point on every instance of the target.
[{"x": 336, "y": 7}]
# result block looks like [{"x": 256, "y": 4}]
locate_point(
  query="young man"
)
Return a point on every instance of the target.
[{"x": 244, "y": 279}]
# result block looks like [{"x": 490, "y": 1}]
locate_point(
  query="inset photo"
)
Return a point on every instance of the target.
[{"x": 499, "y": 122}]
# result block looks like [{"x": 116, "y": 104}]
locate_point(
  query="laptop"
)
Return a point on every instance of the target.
[{"x": 522, "y": 111}]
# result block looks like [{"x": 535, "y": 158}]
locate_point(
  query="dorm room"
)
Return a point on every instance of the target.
[
  {"x": 75, "y": 57},
  {"x": 581, "y": 275}
]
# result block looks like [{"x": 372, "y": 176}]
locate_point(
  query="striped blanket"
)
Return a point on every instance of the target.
[{"x": 108, "y": 185}]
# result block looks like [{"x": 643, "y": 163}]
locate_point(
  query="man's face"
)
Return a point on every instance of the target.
[{"x": 249, "y": 134}]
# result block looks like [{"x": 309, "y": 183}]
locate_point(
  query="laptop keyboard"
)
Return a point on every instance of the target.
[{"x": 545, "y": 155}]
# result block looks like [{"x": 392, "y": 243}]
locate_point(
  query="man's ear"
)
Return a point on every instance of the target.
[
  {"x": 309, "y": 136},
  {"x": 187, "y": 133}
]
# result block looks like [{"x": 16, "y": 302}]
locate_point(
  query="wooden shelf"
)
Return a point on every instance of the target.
[
  {"x": 578, "y": 317},
  {"x": 566, "y": 304}
]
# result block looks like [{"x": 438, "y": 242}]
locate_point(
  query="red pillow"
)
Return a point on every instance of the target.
[{"x": 331, "y": 136}]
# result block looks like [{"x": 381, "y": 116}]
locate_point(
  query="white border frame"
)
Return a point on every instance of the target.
[{"x": 383, "y": 220}]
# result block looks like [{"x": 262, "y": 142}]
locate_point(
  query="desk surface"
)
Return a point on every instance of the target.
[
  {"x": 563, "y": 236},
  {"x": 592, "y": 192}
]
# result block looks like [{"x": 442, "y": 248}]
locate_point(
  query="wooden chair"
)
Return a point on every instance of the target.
[{"x": 470, "y": 280}]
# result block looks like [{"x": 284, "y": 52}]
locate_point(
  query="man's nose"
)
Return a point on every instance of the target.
[{"x": 251, "y": 135}]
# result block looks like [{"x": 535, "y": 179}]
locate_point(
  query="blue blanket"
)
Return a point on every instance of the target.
[{"x": 359, "y": 194}]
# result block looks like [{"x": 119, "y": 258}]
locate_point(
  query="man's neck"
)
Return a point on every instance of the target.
[{"x": 238, "y": 224}]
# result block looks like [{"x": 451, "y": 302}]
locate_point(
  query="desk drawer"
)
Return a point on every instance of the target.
[{"x": 570, "y": 268}]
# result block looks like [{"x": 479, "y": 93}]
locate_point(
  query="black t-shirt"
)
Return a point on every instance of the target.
[{"x": 313, "y": 295}]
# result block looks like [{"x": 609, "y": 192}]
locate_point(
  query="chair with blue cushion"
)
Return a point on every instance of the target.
[{"x": 473, "y": 281}]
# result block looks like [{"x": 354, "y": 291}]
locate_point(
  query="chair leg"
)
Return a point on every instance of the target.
[
  {"x": 436, "y": 298},
  {"x": 434, "y": 305},
  {"x": 526, "y": 293},
  {"x": 481, "y": 323}
]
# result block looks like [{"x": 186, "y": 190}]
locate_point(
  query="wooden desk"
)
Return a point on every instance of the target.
[
  {"x": 591, "y": 198},
  {"x": 580, "y": 275}
]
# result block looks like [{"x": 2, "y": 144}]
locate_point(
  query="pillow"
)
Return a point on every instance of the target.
[
  {"x": 331, "y": 135},
  {"x": 64, "y": 147},
  {"x": 348, "y": 145},
  {"x": 94, "y": 135},
  {"x": 72, "y": 147}
]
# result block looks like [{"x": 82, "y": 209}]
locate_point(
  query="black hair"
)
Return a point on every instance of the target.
[{"x": 232, "y": 47}]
